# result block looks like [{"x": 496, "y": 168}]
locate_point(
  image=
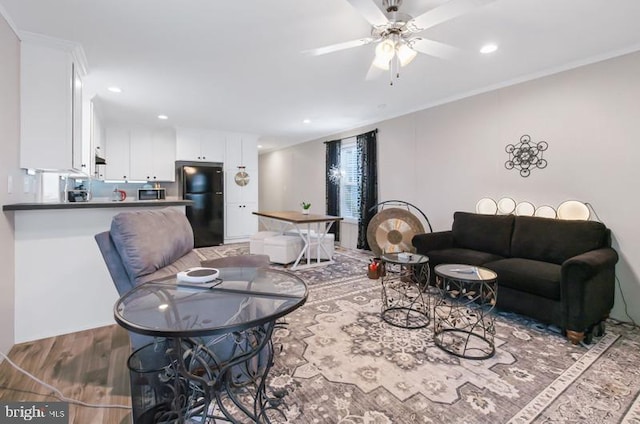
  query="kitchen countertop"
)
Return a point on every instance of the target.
[{"x": 94, "y": 204}]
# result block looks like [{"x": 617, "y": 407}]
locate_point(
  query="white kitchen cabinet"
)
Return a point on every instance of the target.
[
  {"x": 235, "y": 193},
  {"x": 241, "y": 202},
  {"x": 164, "y": 155},
  {"x": 50, "y": 104},
  {"x": 117, "y": 153},
  {"x": 96, "y": 144},
  {"x": 241, "y": 199},
  {"x": 240, "y": 222},
  {"x": 200, "y": 145},
  {"x": 140, "y": 154},
  {"x": 242, "y": 150},
  {"x": 141, "y": 151}
]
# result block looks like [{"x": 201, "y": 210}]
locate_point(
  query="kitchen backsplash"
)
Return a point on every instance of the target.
[{"x": 49, "y": 187}]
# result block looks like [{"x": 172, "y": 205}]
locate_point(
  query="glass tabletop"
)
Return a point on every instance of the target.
[
  {"x": 405, "y": 258},
  {"x": 244, "y": 298},
  {"x": 465, "y": 272}
]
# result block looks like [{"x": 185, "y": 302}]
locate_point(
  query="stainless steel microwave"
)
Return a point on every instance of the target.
[{"x": 151, "y": 194}]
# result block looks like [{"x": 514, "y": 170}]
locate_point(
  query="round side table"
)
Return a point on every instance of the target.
[
  {"x": 404, "y": 304},
  {"x": 462, "y": 314}
]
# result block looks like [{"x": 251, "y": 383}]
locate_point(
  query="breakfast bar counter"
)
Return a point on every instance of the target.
[
  {"x": 94, "y": 204},
  {"x": 60, "y": 274}
]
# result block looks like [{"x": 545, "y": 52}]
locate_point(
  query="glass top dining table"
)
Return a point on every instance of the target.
[{"x": 242, "y": 298}]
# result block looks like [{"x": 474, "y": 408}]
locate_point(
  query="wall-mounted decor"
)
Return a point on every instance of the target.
[
  {"x": 506, "y": 206},
  {"x": 568, "y": 210},
  {"x": 526, "y": 155},
  {"x": 486, "y": 206},
  {"x": 574, "y": 210},
  {"x": 335, "y": 174},
  {"x": 242, "y": 177}
]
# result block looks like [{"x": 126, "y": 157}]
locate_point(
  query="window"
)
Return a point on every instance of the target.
[{"x": 349, "y": 192}]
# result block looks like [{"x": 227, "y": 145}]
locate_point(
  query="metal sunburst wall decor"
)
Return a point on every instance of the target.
[
  {"x": 335, "y": 174},
  {"x": 526, "y": 155}
]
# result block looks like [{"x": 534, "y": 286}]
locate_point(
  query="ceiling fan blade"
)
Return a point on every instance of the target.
[
  {"x": 448, "y": 11},
  {"x": 434, "y": 48},
  {"x": 340, "y": 46},
  {"x": 371, "y": 12},
  {"x": 373, "y": 72}
]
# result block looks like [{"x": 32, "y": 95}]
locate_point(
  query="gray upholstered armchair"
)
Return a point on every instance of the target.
[{"x": 148, "y": 245}]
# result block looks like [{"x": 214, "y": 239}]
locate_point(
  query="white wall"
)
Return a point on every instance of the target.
[
  {"x": 446, "y": 158},
  {"x": 292, "y": 176},
  {"x": 9, "y": 147}
]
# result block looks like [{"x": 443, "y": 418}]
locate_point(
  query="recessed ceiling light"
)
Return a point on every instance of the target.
[
  {"x": 306, "y": 121},
  {"x": 163, "y": 117},
  {"x": 259, "y": 146},
  {"x": 488, "y": 48},
  {"x": 115, "y": 89}
]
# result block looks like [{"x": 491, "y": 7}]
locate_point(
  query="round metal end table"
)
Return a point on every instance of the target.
[
  {"x": 404, "y": 304},
  {"x": 462, "y": 314}
]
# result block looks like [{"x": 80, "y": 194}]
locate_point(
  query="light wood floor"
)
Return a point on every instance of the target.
[{"x": 90, "y": 366}]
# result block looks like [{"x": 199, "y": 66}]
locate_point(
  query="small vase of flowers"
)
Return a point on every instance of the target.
[{"x": 305, "y": 207}]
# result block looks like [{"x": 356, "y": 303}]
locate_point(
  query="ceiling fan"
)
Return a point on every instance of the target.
[{"x": 396, "y": 33}]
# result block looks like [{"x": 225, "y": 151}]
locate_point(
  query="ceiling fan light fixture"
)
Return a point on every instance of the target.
[
  {"x": 385, "y": 51},
  {"x": 405, "y": 54}
]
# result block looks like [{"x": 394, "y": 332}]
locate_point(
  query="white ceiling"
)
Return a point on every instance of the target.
[{"x": 238, "y": 65}]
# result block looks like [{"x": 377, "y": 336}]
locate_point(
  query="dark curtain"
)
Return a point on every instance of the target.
[
  {"x": 333, "y": 189},
  {"x": 368, "y": 172}
]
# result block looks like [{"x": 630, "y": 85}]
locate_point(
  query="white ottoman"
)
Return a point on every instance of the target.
[
  {"x": 283, "y": 249},
  {"x": 256, "y": 242}
]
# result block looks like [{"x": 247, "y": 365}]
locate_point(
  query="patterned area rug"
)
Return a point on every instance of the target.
[{"x": 341, "y": 363}]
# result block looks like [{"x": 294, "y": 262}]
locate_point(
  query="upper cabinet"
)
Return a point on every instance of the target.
[
  {"x": 95, "y": 151},
  {"x": 242, "y": 151},
  {"x": 153, "y": 154},
  {"x": 51, "y": 74},
  {"x": 140, "y": 153},
  {"x": 200, "y": 145}
]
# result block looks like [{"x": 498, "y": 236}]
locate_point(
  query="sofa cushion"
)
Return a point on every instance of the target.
[
  {"x": 554, "y": 240},
  {"x": 150, "y": 240},
  {"x": 460, "y": 256},
  {"x": 485, "y": 233},
  {"x": 526, "y": 275}
]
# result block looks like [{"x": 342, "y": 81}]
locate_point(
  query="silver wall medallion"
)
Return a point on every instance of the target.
[{"x": 242, "y": 178}]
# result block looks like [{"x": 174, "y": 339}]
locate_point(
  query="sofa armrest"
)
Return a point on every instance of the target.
[
  {"x": 586, "y": 265},
  {"x": 588, "y": 286},
  {"x": 425, "y": 243}
]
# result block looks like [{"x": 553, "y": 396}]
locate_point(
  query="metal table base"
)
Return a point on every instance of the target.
[
  {"x": 404, "y": 303},
  {"x": 462, "y": 315}
]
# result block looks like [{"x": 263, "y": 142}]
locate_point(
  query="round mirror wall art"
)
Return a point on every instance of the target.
[
  {"x": 572, "y": 209},
  {"x": 486, "y": 206},
  {"x": 545, "y": 211},
  {"x": 506, "y": 206},
  {"x": 526, "y": 155},
  {"x": 525, "y": 209},
  {"x": 242, "y": 178}
]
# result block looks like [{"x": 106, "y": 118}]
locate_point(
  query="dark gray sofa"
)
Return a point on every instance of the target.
[{"x": 556, "y": 271}]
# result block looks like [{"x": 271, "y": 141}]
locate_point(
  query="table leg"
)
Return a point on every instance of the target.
[
  {"x": 305, "y": 247},
  {"x": 219, "y": 388},
  {"x": 321, "y": 235}
]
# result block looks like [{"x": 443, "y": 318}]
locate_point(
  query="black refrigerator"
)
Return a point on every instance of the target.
[{"x": 203, "y": 182}]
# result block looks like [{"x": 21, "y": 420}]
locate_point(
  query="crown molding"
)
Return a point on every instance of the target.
[
  {"x": 12, "y": 25},
  {"x": 74, "y": 48}
]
